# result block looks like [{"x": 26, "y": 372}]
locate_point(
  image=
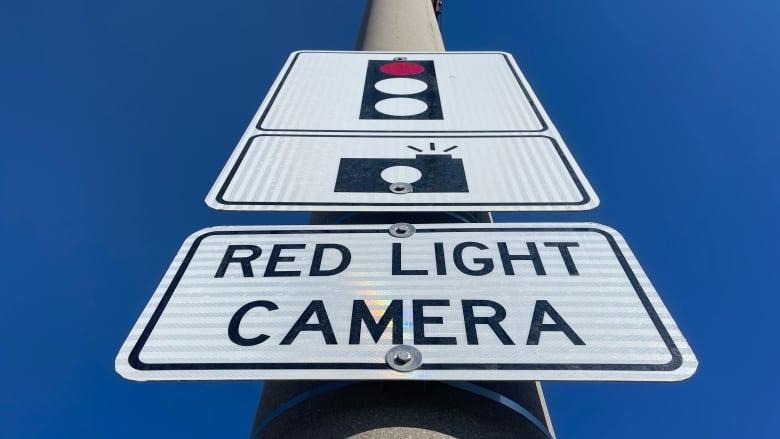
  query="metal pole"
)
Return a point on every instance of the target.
[
  {"x": 399, "y": 25},
  {"x": 384, "y": 409}
]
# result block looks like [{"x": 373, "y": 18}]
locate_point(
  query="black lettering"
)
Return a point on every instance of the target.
[
  {"x": 493, "y": 321},
  {"x": 316, "y": 264},
  {"x": 322, "y": 325},
  {"x": 275, "y": 258},
  {"x": 563, "y": 247},
  {"x": 361, "y": 314},
  {"x": 441, "y": 267},
  {"x": 235, "y": 323},
  {"x": 533, "y": 256},
  {"x": 230, "y": 257},
  {"x": 537, "y": 326},
  {"x": 420, "y": 320},
  {"x": 487, "y": 263},
  {"x": 397, "y": 270}
]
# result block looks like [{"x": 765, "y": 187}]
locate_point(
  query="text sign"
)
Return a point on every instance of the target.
[
  {"x": 292, "y": 172},
  {"x": 478, "y": 301},
  {"x": 369, "y": 131}
]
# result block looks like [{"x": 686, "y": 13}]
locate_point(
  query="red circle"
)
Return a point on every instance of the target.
[{"x": 402, "y": 69}]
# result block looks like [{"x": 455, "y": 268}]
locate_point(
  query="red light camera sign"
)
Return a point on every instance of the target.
[{"x": 377, "y": 131}]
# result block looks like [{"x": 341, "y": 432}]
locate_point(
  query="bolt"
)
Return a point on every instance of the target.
[
  {"x": 403, "y": 357},
  {"x": 401, "y": 188},
  {"x": 401, "y": 230}
]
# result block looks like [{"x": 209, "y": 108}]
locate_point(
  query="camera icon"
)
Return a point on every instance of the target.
[{"x": 424, "y": 173}]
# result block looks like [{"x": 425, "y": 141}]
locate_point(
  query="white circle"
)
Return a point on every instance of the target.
[
  {"x": 401, "y": 86},
  {"x": 401, "y": 106},
  {"x": 401, "y": 174}
]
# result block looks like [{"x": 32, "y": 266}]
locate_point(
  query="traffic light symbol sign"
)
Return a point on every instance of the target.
[{"x": 401, "y": 89}]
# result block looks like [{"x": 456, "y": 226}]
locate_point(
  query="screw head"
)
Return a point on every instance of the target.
[
  {"x": 402, "y": 230},
  {"x": 400, "y": 188},
  {"x": 403, "y": 358}
]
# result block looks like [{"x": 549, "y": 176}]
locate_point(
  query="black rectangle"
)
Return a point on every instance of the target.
[
  {"x": 440, "y": 173},
  {"x": 423, "y": 72}
]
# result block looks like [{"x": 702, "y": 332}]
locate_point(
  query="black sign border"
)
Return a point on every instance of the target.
[
  {"x": 675, "y": 362},
  {"x": 585, "y": 197}
]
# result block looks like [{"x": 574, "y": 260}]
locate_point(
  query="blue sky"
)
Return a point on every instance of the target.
[{"x": 116, "y": 119}]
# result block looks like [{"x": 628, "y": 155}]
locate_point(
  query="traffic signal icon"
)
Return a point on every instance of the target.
[{"x": 401, "y": 89}]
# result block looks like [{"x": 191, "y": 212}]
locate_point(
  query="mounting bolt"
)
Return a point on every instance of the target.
[
  {"x": 400, "y": 188},
  {"x": 403, "y": 358},
  {"x": 401, "y": 230}
]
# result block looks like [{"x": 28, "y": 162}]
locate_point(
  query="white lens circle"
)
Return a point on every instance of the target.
[
  {"x": 401, "y": 106},
  {"x": 401, "y": 86},
  {"x": 401, "y": 174}
]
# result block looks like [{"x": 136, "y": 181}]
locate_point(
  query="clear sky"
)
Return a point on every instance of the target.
[{"x": 117, "y": 118}]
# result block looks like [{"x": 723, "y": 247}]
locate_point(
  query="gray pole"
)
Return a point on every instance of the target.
[
  {"x": 390, "y": 409},
  {"x": 399, "y": 25}
]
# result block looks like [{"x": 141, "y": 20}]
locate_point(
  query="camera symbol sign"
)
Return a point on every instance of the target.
[
  {"x": 342, "y": 173},
  {"x": 376, "y": 131}
]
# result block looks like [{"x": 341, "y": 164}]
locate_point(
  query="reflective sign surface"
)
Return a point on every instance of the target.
[
  {"x": 274, "y": 172},
  {"x": 345, "y": 131},
  {"x": 465, "y": 301}
]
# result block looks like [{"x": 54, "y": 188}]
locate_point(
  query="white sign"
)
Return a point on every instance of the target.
[
  {"x": 474, "y": 93},
  {"x": 290, "y": 172},
  {"x": 444, "y": 302},
  {"x": 456, "y": 131}
]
